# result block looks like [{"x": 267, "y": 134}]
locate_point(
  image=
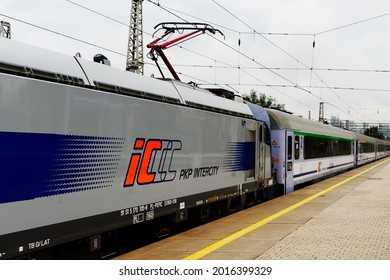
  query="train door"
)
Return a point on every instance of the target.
[
  {"x": 250, "y": 137},
  {"x": 260, "y": 159},
  {"x": 356, "y": 145},
  {"x": 289, "y": 168}
]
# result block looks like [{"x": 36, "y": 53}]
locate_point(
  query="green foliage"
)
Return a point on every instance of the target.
[
  {"x": 263, "y": 100},
  {"x": 373, "y": 131}
]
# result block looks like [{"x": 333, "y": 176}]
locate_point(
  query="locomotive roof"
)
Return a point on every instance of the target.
[{"x": 280, "y": 120}]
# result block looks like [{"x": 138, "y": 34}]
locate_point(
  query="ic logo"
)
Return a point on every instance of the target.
[{"x": 151, "y": 161}]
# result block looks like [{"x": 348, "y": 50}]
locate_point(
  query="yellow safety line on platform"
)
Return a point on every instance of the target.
[{"x": 260, "y": 223}]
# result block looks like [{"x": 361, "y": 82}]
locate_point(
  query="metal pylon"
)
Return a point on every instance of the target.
[
  {"x": 135, "y": 57},
  {"x": 321, "y": 114}
]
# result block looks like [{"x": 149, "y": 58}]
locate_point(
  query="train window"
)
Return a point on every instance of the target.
[
  {"x": 267, "y": 138},
  {"x": 367, "y": 148},
  {"x": 296, "y": 147},
  {"x": 261, "y": 133},
  {"x": 316, "y": 147},
  {"x": 289, "y": 147}
]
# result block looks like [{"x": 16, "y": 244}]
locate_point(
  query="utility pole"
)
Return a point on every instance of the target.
[
  {"x": 5, "y": 29},
  {"x": 135, "y": 54}
]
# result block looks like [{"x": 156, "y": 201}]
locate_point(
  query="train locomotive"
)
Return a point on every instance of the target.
[{"x": 87, "y": 149}]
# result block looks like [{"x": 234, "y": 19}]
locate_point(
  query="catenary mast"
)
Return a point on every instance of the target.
[{"x": 135, "y": 60}]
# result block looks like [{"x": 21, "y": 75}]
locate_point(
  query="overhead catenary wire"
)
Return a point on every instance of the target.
[
  {"x": 271, "y": 33},
  {"x": 297, "y": 86},
  {"x": 312, "y": 69},
  {"x": 105, "y": 16},
  {"x": 321, "y": 32},
  {"x": 285, "y": 68},
  {"x": 255, "y": 32},
  {"x": 241, "y": 67},
  {"x": 311, "y": 93},
  {"x": 351, "y": 24},
  {"x": 233, "y": 48},
  {"x": 62, "y": 34},
  {"x": 334, "y": 87},
  {"x": 157, "y": 4},
  {"x": 249, "y": 74},
  {"x": 95, "y": 12},
  {"x": 275, "y": 45},
  {"x": 192, "y": 16}
]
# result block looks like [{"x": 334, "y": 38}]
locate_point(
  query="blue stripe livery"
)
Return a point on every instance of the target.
[
  {"x": 34, "y": 165},
  {"x": 239, "y": 156}
]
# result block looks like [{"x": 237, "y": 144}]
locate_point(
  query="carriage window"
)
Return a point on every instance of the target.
[
  {"x": 317, "y": 147},
  {"x": 289, "y": 147},
  {"x": 296, "y": 147},
  {"x": 367, "y": 148}
]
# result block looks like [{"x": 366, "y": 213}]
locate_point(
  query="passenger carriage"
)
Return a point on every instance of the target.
[
  {"x": 366, "y": 149},
  {"x": 305, "y": 150},
  {"x": 383, "y": 148}
]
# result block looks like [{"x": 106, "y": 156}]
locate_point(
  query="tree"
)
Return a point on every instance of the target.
[
  {"x": 263, "y": 100},
  {"x": 373, "y": 131}
]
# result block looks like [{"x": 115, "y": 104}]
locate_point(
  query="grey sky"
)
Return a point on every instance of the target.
[{"x": 362, "y": 46}]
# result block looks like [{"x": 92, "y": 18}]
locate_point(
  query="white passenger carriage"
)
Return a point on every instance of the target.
[
  {"x": 383, "y": 148},
  {"x": 304, "y": 150},
  {"x": 366, "y": 148}
]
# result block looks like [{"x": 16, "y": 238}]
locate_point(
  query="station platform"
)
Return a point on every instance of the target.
[{"x": 346, "y": 217}]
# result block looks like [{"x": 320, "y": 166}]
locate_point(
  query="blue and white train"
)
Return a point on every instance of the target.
[
  {"x": 87, "y": 149},
  {"x": 304, "y": 150}
]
